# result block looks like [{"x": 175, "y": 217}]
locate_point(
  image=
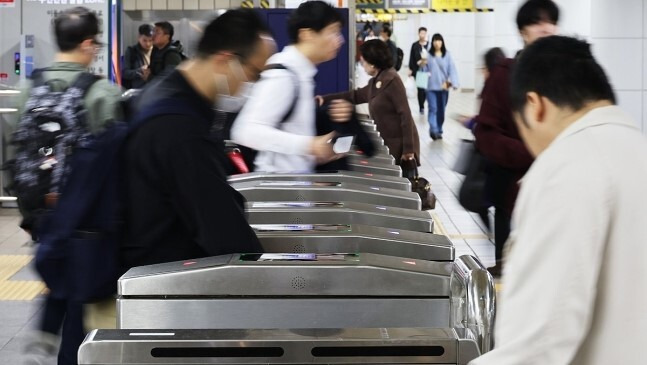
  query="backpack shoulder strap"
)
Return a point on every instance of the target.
[
  {"x": 37, "y": 77},
  {"x": 85, "y": 82},
  {"x": 279, "y": 66}
]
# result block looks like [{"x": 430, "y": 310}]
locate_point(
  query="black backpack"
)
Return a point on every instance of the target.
[{"x": 51, "y": 127}]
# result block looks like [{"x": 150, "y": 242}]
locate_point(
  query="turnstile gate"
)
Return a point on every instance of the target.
[
  {"x": 268, "y": 291},
  {"x": 355, "y": 158},
  {"x": 307, "y": 212},
  {"x": 325, "y": 238},
  {"x": 374, "y": 167},
  {"x": 390, "y": 182},
  {"x": 326, "y": 191},
  {"x": 278, "y": 346}
]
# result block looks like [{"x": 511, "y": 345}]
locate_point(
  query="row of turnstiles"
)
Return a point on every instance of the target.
[{"x": 351, "y": 274}]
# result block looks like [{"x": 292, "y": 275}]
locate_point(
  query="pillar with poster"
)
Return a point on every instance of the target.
[{"x": 37, "y": 43}]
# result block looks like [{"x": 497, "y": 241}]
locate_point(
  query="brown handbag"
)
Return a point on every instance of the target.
[{"x": 419, "y": 184}]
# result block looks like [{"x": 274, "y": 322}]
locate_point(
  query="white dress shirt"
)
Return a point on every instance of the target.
[
  {"x": 282, "y": 147},
  {"x": 575, "y": 279}
]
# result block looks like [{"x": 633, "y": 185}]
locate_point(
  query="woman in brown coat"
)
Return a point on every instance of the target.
[{"x": 387, "y": 102}]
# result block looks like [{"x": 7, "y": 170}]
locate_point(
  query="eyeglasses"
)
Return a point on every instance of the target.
[{"x": 98, "y": 43}]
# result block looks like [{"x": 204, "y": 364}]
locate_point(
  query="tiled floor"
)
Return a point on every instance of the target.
[{"x": 465, "y": 229}]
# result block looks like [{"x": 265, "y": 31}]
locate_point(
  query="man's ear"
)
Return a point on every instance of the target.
[
  {"x": 87, "y": 45},
  {"x": 536, "y": 105},
  {"x": 304, "y": 35},
  {"x": 220, "y": 59}
]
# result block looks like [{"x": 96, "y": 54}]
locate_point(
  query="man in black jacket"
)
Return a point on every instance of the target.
[
  {"x": 137, "y": 60},
  {"x": 167, "y": 53},
  {"x": 419, "y": 50},
  {"x": 180, "y": 205}
]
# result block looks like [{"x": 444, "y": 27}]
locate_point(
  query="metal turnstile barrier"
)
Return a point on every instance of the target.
[
  {"x": 269, "y": 291},
  {"x": 390, "y": 182},
  {"x": 326, "y": 191},
  {"x": 278, "y": 346},
  {"x": 325, "y": 238},
  {"x": 354, "y": 157},
  {"x": 374, "y": 167},
  {"x": 308, "y": 212}
]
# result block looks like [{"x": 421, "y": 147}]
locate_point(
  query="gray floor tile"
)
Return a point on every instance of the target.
[{"x": 27, "y": 273}]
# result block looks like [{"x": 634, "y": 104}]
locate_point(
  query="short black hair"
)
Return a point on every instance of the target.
[
  {"x": 388, "y": 31},
  {"x": 166, "y": 27},
  {"x": 237, "y": 31},
  {"x": 145, "y": 29},
  {"x": 377, "y": 53},
  {"x": 537, "y": 11},
  {"x": 74, "y": 26},
  {"x": 438, "y": 37},
  {"x": 561, "y": 69},
  {"x": 315, "y": 15},
  {"x": 492, "y": 57},
  {"x": 421, "y": 29}
]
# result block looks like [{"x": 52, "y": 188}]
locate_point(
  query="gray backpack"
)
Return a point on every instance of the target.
[{"x": 51, "y": 127}]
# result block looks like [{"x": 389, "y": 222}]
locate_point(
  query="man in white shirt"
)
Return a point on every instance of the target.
[
  {"x": 575, "y": 279},
  {"x": 282, "y": 130}
]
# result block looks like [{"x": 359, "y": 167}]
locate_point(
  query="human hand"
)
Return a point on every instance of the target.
[
  {"x": 146, "y": 72},
  {"x": 407, "y": 156},
  {"x": 340, "y": 111},
  {"x": 321, "y": 148}
]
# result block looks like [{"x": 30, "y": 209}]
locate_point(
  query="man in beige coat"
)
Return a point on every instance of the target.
[{"x": 575, "y": 276}]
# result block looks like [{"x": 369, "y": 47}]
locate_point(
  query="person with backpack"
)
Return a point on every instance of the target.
[
  {"x": 279, "y": 119},
  {"x": 137, "y": 59},
  {"x": 178, "y": 203},
  {"x": 65, "y": 106},
  {"x": 167, "y": 54}
]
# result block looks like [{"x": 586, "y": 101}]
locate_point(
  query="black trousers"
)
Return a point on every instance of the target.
[
  {"x": 67, "y": 317},
  {"x": 422, "y": 96},
  {"x": 500, "y": 181}
]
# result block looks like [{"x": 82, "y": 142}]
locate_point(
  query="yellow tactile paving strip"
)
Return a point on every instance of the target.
[
  {"x": 438, "y": 225},
  {"x": 17, "y": 290}
]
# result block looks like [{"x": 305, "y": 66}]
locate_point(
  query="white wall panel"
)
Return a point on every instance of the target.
[
  {"x": 611, "y": 18},
  {"x": 622, "y": 61}
]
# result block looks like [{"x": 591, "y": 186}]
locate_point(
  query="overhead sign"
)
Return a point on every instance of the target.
[
  {"x": 452, "y": 4},
  {"x": 7, "y": 3},
  {"x": 408, "y": 4}
]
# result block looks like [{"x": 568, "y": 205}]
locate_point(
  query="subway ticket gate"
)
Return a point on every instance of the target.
[
  {"x": 388, "y": 160},
  {"x": 374, "y": 167},
  {"x": 355, "y": 157},
  {"x": 382, "y": 149},
  {"x": 279, "y": 346},
  {"x": 326, "y": 191},
  {"x": 353, "y": 238},
  {"x": 384, "y": 158},
  {"x": 297, "y": 291},
  {"x": 368, "y": 126},
  {"x": 391, "y": 182},
  {"x": 307, "y": 212}
]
